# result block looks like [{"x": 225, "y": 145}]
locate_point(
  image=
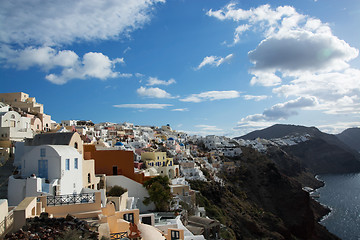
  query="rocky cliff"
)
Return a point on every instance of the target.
[
  {"x": 258, "y": 201},
  {"x": 321, "y": 153},
  {"x": 351, "y": 137}
]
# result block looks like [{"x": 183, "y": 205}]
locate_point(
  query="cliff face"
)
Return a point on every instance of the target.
[
  {"x": 351, "y": 137},
  {"x": 258, "y": 201},
  {"x": 322, "y": 157},
  {"x": 322, "y": 153}
]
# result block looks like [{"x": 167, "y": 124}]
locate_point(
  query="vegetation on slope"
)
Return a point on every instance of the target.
[
  {"x": 159, "y": 193},
  {"x": 259, "y": 202}
]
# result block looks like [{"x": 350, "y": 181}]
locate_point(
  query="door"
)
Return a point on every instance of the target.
[
  {"x": 43, "y": 168},
  {"x": 115, "y": 170}
]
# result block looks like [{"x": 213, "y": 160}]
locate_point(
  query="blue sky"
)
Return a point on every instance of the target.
[{"x": 204, "y": 67}]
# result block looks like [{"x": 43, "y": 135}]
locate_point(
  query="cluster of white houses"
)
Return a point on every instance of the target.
[{"x": 68, "y": 167}]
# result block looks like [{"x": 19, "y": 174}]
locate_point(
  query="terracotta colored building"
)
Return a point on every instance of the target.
[{"x": 113, "y": 162}]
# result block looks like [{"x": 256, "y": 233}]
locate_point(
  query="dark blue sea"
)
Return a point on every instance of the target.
[{"x": 342, "y": 194}]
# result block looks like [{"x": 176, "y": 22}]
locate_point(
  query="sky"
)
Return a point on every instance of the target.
[{"x": 204, "y": 67}]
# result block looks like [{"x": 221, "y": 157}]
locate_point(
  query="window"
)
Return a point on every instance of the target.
[
  {"x": 89, "y": 178},
  {"x": 67, "y": 164},
  {"x": 158, "y": 157},
  {"x": 76, "y": 166},
  {"x": 42, "y": 152},
  {"x": 175, "y": 235},
  {"x": 129, "y": 217},
  {"x": 76, "y": 145},
  {"x": 163, "y": 163}
]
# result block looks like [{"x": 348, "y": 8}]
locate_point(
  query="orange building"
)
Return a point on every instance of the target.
[{"x": 113, "y": 162}]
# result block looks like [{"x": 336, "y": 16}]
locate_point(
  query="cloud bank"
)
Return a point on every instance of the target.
[
  {"x": 304, "y": 51},
  {"x": 31, "y": 34}
]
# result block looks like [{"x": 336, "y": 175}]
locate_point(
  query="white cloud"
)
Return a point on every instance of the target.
[
  {"x": 211, "y": 128},
  {"x": 302, "y": 50},
  {"x": 153, "y": 93},
  {"x": 205, "y": 130},
  {"x": 305, "y": 52},
  {"x": 266, "y": 79},
  {"x": 180, "y": 110},
  {"x": 93, "y": 65},
  {"x": 282, "y": 111},
  {"x": 155, "y": 81},
  {"x": 43, "y": 57},
  {"x": 39, "y": 29},
  {"x": 337, "y": 92},
  {"x": 64, "y": 22},
  {"x": 244, "y": 127},
  {"x": 214, "y": 61},
  {"x": 211, "y": 96},
  {"x": 338, "y": 127},
  {"x": 139, "y": 75},
  {"x": 144, "y": 106},
  {"x": 240, "y": 30},
  {"x": 127, "y": 49},
  {"x": 294, "y": 43},
  {"x": 255, "y": 98}
]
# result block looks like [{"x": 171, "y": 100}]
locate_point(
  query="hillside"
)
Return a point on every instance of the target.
[
  {"x": 259, "y": 202},
  {"x": 279, "y": 131},
  {"x": 351, "y": 137},
  {"x": 321, "y": 153}
]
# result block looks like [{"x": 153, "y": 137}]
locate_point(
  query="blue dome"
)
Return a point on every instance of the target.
[
  {"x": 181, "y": 144},
  {"x": 119, "y": 144},
  {"x": 171, "y": 139}
]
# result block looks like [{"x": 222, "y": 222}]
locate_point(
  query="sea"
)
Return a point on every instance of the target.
[{"x": 341, "y": 194}]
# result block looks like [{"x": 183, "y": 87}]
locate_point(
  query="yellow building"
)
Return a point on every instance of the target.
[{"x": 158, "y": 160}]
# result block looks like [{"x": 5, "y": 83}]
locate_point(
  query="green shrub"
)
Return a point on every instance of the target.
[{"x": 116, "y": 191}]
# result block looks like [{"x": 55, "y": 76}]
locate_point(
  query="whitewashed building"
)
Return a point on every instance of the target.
[
  {"x": 14, "y": 127},
  {"x": 47, "y": 169}
]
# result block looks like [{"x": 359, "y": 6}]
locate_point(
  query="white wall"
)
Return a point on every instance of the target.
[
  {"x": 135, "y": 189},
  {"x": 16, "y": 190},
  {"x": 3, "y": 209},
  {"x": 70, "y": 180}
]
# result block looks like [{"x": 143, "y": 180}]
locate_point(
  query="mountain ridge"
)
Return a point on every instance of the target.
[
  {"x": 322, "y": 153},
  {"x": 350, "y": 137}
]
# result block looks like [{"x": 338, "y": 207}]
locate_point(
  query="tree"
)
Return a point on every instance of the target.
[
  {"x": 159, "y": 193},
  {"x": 116, "y": 191}
]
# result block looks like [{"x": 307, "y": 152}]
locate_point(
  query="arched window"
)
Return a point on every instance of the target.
[
  {"x": 76, "y": 145},
  {"x": 12, "y": 116}
]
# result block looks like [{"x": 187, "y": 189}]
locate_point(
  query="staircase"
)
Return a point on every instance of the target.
[{"x": 6, "y": 170}]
